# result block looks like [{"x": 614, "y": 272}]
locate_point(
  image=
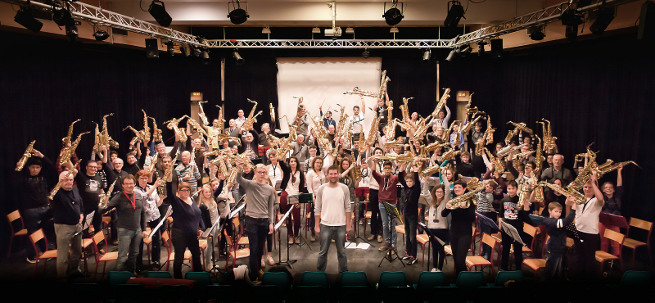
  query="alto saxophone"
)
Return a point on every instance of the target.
[
  {"x": 69, "y": 151},
  {"x": 574, "y": 194},
  {"x": 383, "y": 85},
  {"x": 201, "y": 113},
  {"x": 609, "y": 166},
  {"x": 167, "y": 173},
  {"x": 358, "y": 91},
  {"x": 198, "y": 127},
  {"x": 26, "y": 155},
  {"x": 173, "y": 125},
  {"x": 146, "y": 129},
  {"x": 153, "y": 162},
  {"x": 69, "y": 136},
  {"x": 252, "y": 118},
  {"x": 454, "y": 203},
  {"x": 549, "y": 141},
  {"x": 106, "y": 139},
  {"x": 441, "y": 103},
  {"x": 156, "y": 132}
]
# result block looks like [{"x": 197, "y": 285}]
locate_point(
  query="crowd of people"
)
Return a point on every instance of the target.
[{"x": 418, "y": 169}]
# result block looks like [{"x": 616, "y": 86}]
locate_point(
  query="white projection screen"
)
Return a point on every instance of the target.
[{"x": 323, "y": 81}]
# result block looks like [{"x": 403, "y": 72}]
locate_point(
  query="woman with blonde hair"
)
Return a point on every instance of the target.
[
  {"x": 438, "y": 224},
  {"x": 210, "y": 214}
]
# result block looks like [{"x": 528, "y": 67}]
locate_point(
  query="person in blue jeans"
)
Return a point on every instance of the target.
[{"x": 387, "y": 193}]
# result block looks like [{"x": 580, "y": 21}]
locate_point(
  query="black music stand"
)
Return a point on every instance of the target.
[
  {"x": 305, "y": 199},
  {"x": 430, "y": 235},
  {"x": 86, "y": 224},
  {"x": 169, "y": 212},
  {"x": 393, "y": 215},
  {"x": 279, "y": 238}
]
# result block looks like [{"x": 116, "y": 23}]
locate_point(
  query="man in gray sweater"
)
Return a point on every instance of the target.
[
  {"x": 332, "y": 212},
  {"x": 260, "y": 214}
]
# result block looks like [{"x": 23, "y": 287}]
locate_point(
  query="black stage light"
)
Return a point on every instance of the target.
[
  {"x": 451, "y": 55},
  {"x": 393, "y": 15},
  {"x": 602, "y": 19},
  {"x": 152, "y": 50},
  {"x": 170, "y": 48},
  {"x": 205, "y": 54},
  {"x": 571, "y": 17},
  {"x": 101, "y": 35},
  {"x": 481, "y": 45},
  {"x": 455, "y": 13},
  {"x": 427, "y": 54},
  {"x": 71, "y": 31},
  {"x": 158, "y": 11},
  {"x": 185, "y": 50},
  {"x": 237, "y": 57},
  {"x": 366, "y": 53},
  {"x": 62, "y": 16},
  {"x": 238, "y": 15},
  {"x": 24, "y": 17},
  {"x": 536, "y": 32},
  {"x": 497, "y": 47}
]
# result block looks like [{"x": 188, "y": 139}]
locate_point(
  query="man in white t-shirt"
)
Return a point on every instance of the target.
[
  {"x": 357, "y": 119},
  {"x": 586, "y": 222},
  {"x": 332, "y": 213}
]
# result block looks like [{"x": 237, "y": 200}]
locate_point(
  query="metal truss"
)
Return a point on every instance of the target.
[
  {"x": 101, "y": 16},
  {"x": 546, "y": 15},
  {"x": 329, "y": 43}
]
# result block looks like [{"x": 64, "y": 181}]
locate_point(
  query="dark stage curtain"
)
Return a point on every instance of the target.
[
  {"x": 46, "y": 83},
  {"x": 596, "y": 92}
]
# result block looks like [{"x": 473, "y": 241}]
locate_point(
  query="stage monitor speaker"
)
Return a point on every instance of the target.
[
  {"x": 497, "y": 47},
  {"x": 646, "y": 29},
  {"x": 152, "y": 51}
]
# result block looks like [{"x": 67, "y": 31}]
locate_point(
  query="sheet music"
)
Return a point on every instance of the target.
[
  {"x": 169, "y": 211},
  {"x": 286, "y": 215}
]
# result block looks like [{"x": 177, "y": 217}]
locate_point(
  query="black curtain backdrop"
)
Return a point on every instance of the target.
[
  {"x": 47, "y": 83},
  {"x": 592, "y": 91}
]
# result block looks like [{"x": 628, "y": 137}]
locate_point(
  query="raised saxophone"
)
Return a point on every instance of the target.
[
  {"x": 69, "y": 151},
  {"x": 538, "y": 156},
  {"x": 358, "y": 91},
  {"x": 106, "y": 139},
  {"x": 153, "y": 162},
  {"x": 252, "y": 118},
  {"x": 69, "y": 136},
  {"x": 549, "y": 141},
  {"x": 469, "y": 125},
  {"x": 441, "y": 103},
  {"x": 609, "y": 166},
  {"x": 383, "y": 85},
  {"x": 574, "y": 194},
  {"x": 201, "y": 113},
  {"x": 173, "y": 125},
  {"x": 104, "y": 198},
  {"x": 454, "y": 203},
  {"x": 167, "y": 173},
  {"x": 146, "y": 129},
  {"x": 156, "y": 132},
  {"x": 198, "y": 127},
  {"x": 26, "y": 155}
]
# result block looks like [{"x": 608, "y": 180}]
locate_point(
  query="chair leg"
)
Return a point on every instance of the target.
[{"x": 11, "y": 241}]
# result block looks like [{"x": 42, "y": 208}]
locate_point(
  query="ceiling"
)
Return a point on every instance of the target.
[{"x": 359, "y": 13}]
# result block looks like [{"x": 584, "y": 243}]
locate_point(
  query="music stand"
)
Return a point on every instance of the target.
[
  {"x": 512, "y": 232},
  {"x": 394, "y": 216},
  {"x": 86, "y": 224},
  {"x": 301, "y": 198},
  {"x": 486, "y": 221},
  {"x": 168, "y": 213},
  {"x": 279, "y": 238},
  {"x": 430, "y": 235},
  {"x": 356, "y": 227}
]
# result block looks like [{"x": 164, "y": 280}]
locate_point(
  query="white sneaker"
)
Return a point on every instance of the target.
[{"x": 435, "y": 270}]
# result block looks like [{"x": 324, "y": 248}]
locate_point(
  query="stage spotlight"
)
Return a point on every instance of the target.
[
  {"x": 196, "y": 51},
  {"x": 62, "y": 16},
  {"x": 536, "y": 32},
  {"x": 101, "y": 35},
  {"x": 602, "y": 19},
  {"x": 152, "y": 50},
  {"x": 455, "y": 13},
  {"x": 481, "y": 45},
  {"x": 205, "y": 54},
  {"x": 158, "y": 11},
  {"x": 393, "y": 15},
  {"x": 393, "y": 30},
  {"x": 71, "y": 31},
  {"x": 451, "y": 55},
  {"x": 24, "y": 17},
  {"x": 350, "y": 30},
  {"x": 185, "y": 50},
  {"x": 571, "y": 18},
  {"x": 427, "y": 54},
  {"x": 266, "y": 30},
  {"x": 238, "y": 15},
  {"x": 366, "y": 53},
  {"x": 170, "y": 48},
  {"x": 237, "y": 57},
  {"x": 316, "y": 30}
]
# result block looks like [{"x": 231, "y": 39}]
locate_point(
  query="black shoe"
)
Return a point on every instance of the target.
[{"x": 156, "y": 265}]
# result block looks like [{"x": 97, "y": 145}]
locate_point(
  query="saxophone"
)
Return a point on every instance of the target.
[
  {"x": 156, "y": 132},
  {"x": 173, "y": 125},
  {"x": 198, "y": 127},
  {"x": 69, "y": 136},
  {"x": 321, "y": 136},
  {"x": 383, "y": 85},
  {"x": 489, "y": 133},
  {"x": 584, "y": 176},
  {"x": 469, "y": 125},
  {"x": 221, "y": 118},
  {"x": 167, "y": 173},
  {"x": 106, "y": 139},
  {"x": 421, "y": 129},
  {"x": 466, "y": 197},
  {"x": 153, "y": 162},
  {"x": 433, "y": 146},
  {"x": 574, "y": 194},
  {"x": 54, "y": 191},
  {"x": 609, "y": 166},
  {"x": 431, "y": 170},
  {"x": 137, "y": 135},
  {"x": 296, "y": 120},
  {"x": 358, "y": 91},
  {"x": 497, "y": 162},
  {"x": 271, "y": 111},
  {"x": 252, "y": 118},
  {"x": 69, "y": 151},
  {"x": 26, "y": 155},
  {"x": 404, "y": 108},
  {"x": 146, "y": 129},
  {"x": 372, "y": 133},
  {"x": 391, "y": 124},
  {"x": 539, "y": 192},
  {"x": 104, "y": 198},
  {"x": 450, "y": 154},
  {"x": 441, "y": 103},
  {"x": 549, "y": 141},
  {"x": 538, "y": 156},
  {"x": 201, "y": 113},
  {"x": 521, "y": 126}
]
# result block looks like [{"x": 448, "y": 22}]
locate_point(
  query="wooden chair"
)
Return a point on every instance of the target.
[
  {"x": 14, "y": 219},
  {"x": 478, "y": 260},
  {"x": 166, "y": 239},
  {"x": 532, "y": 232},
  {"x": 422, "y": 239},
  {"x": 98, "y": 238},
  {"x": 632, "y": 243},
  {"x": 242, "y": 240},
  {"x": 400, "y": 229},
  {"x": 449, "y": 250},
  {"x": 602, "y": 256},
  {"x": 233, "y": 252},
  {"x": 35, "y": 237},
  {"x": 537, "y": 263}
]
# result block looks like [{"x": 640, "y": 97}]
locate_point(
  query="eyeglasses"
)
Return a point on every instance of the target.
[{"x": 185, "y": 189}]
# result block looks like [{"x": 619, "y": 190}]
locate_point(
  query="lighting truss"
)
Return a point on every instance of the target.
[
  {"x": 328, "y": 43},
  {"x": 546, "y": 15},
  {"x": 95, "y": 14}
]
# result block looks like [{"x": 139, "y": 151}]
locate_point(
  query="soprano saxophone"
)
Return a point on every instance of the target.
[{"x": 26, "y": 155}]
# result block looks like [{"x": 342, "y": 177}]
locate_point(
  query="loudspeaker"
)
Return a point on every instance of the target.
[
  {"x": 152, "y": 51},
  {"x": 497, "y": 47},
  {"x": 646, "y": 29}
]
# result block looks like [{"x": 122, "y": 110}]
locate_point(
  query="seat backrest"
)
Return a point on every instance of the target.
[
  {"x": 202, "y": 278},
  {"x": 392, "y": 278},
  {"x": 228, "y": 238},
  {"x": 614, "y": 236},
  {"x": 469, "y": 279},
  {"x": 115, "y": 277},
  {"x": 508, "y": 275},
  {"x": 278, "y": 278},
  {"x": 428, "y": 280},
  {"x": 636, "y": 278},
  {"x": 354, "y": 278},
  {"x": 37, "y": 236},
  {"x": 490, "y": 241},
  {"x": 529, "y": 229},
  {"x": 314, "y": 278},
  {"x": 98, "y": 237},
  {"x": 642, "y": 224},
  {"x": 13, "y": 216}
]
